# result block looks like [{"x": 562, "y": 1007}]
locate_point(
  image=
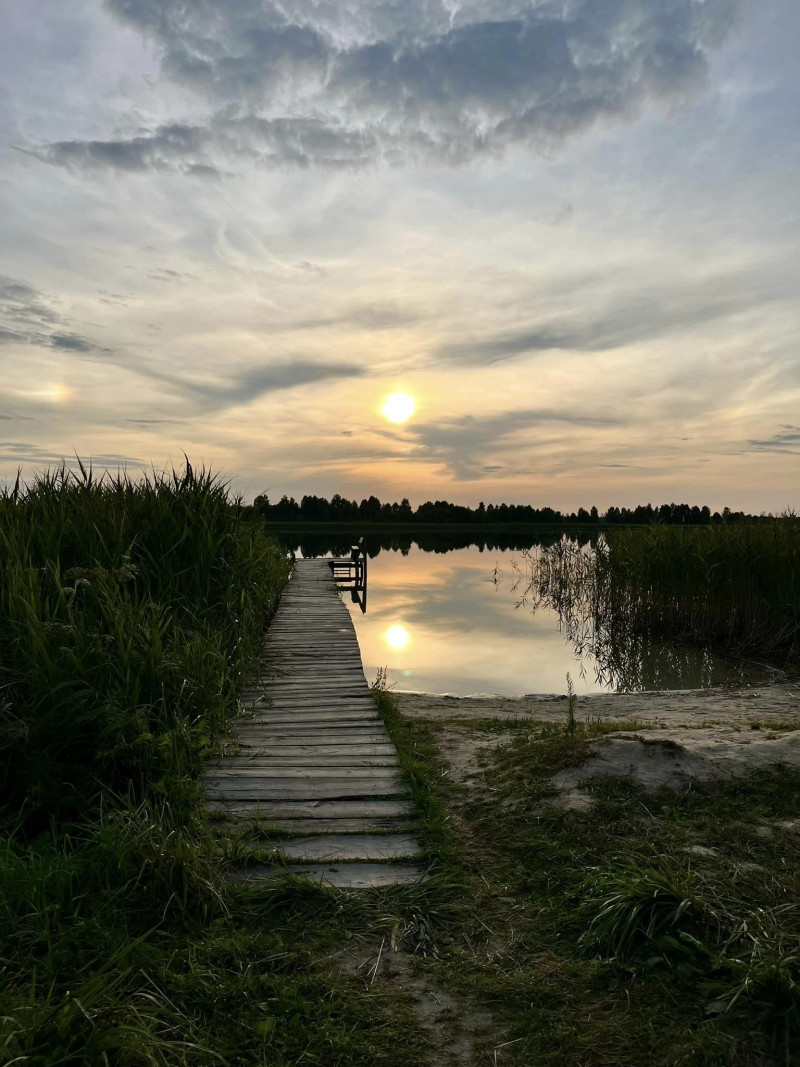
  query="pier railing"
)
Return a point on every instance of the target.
[{"x": 351, "y": 572}]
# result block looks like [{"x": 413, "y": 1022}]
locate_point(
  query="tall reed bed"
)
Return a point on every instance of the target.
[
  {"x": 736, "y": 588},
  {"x": 732, "y": 589},
  {"x": 129, "y": 611}
]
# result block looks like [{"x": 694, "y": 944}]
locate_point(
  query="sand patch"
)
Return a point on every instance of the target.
[
  {"x": 693, "y": 707},
  {"x": 466, "y": 752},
  {"x": 677, "y": 759},
  {"x": 456, "y": 1028}
]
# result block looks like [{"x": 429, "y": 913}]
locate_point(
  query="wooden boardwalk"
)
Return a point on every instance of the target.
[{"x": 312, "y": 757}]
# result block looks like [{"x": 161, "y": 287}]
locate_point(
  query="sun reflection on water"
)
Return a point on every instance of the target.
[{"x": 397, "y": 636}]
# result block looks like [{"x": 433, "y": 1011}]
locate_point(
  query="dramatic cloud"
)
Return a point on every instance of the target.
[
  {"x": 306, "y": 83},
  {"x": 266, "y": 216}
]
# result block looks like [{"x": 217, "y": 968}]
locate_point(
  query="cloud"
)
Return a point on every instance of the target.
[
  {"x": 463, "y": 445},
  {"x": 31, "y": 318},
  {"x": 23, "y": 451},
  {"x": 302, "y": 83},
  {"x": 625, "y": 320},
  {"x": 152, "y": 422},
  {"x": 372, "y": 317},
  {"x": 43, "y": 327},
  {"x": 250, "y": 384},
  {"x": 786, "y": 441}
]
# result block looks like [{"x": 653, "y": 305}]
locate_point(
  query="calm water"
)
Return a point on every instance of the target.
[{"x": 448, "y": 620}]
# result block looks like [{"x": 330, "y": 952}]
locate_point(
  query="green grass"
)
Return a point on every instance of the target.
[
  {"x": 128, "y": 614},
  {"x": 605, "y": 938},
  {"x": 619, "y": 943}
]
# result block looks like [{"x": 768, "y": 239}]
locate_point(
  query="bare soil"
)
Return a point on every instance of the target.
[
  {"x": 678, "y": 758},
  {"x": 460, "y": 1033}
]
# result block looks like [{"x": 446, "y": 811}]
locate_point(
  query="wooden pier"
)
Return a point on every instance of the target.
[{"x": 312, "y": 757}]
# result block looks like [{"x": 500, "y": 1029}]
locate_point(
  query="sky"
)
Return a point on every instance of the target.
[{"x": 568, "y": 229}]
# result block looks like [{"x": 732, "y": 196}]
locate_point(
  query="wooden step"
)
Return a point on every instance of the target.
[
  {"x": 265, "y": 810},
  {"x": 329, "y": 847},
  {"x": 339, "y": 876}
]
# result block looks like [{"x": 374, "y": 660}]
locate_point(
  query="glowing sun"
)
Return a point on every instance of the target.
[
  {"x": 398, "y": 407},
  {"x": 397, "y": 636}
]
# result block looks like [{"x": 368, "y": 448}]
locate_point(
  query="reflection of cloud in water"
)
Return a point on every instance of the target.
[{"x": 470, "y": 635}]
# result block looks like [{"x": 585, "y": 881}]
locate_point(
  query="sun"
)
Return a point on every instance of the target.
[
  {"x": 398, "y": 407},
  {"x": 397, "y": 636}
]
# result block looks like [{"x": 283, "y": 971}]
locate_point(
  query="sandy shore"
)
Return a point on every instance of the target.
[{"x": 694, "y": 707}]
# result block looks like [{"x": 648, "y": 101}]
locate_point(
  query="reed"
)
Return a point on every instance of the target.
[
  {"x": 735, "y": 588},
  {"x": 128, "y": 613},
  {"x": 730, "y": 589}
]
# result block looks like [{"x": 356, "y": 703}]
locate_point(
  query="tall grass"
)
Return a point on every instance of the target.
[
  {"x": 736, "y": 588},
  {"x": 129, "y": 611},
  {"x": 731, "y": 589}
]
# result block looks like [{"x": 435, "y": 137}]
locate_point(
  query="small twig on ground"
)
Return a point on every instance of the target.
[{"x": 505, "y": 1044}]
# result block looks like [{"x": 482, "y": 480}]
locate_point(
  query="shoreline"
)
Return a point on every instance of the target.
[{"x": 735, "y": 705}]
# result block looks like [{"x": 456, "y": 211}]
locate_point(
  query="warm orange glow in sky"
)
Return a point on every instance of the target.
[
  {"x": 397, "y": 636},
  {"x": 314, "y": 273},
  {"x": 399, "y": 407}
]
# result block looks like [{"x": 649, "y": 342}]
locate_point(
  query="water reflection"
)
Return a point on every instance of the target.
[
  {"x": 397, "y": 636},
  {"x": 561, "y": 579},
  {"x": 461, "y": 620}
]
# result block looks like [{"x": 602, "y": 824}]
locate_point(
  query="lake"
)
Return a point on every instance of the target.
[{"x": 445, "y": 616}]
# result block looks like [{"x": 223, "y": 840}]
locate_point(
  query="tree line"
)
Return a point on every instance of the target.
[{"x": 372, "y": 510}]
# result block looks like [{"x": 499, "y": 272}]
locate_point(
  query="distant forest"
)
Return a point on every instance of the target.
[{"x": 371, "y": 510}]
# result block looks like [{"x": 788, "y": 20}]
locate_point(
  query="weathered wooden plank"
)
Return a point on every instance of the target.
[
  {"x": 366, "y": 719},
  {"x": 308, "y": 705},
  {"x": 335, "y": 735},
  {"x": 328, "y": 847},
  {"x": 299, "y": 827},
  {"x": 360, "y": 695},
  {"x": 308, "y": 714},
  {"x": 316, "y": 687},
  {"x": 244, "y": 787},
  {"x": 362, "y": 732},
  {"x": 340, "y": 876},
  {"x": 235, "y": 767},
  {"x": 334, "y": 738},
  {"x": 298, "y": 693},
  {"x": 318, "y": 672},
  {"x": 316, "y": 759},
  {"x": 291, "y": 752},
  {"x": 266, "y": 810},
  {"x": 319, "y": 718}
]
